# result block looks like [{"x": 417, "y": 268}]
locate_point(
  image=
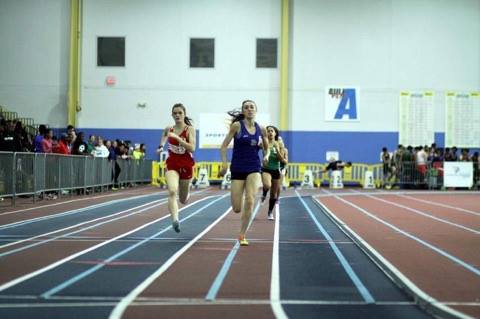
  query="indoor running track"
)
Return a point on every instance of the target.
[{"x": 119, "y": 258}]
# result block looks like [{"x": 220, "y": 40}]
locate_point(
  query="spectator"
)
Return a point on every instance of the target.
[
  {"x": 91, "y": 144},
  {"x": 37, "y": 142},
  {"x": 336, "y": 166},
  {"x": 112, "y": 156},
  {"x": 137, "y": 153},
  {"x": 464, "y": 156},
  {"x": 386, "y": 163},
  {"x": 101, "y": 150},
  {"x": 23, "y": 142},
  {"x": 421, "y": 160},
  {"x": 62, "y": 146},
  {"x": 72, "y": 132},
  {"x": 79, "y": 146},
  {"x": 7, "y": 142},
  {"x": 476, "y": 168},
  {"x": 47, "y": 142}
]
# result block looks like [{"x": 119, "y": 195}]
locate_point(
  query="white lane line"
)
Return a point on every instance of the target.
[
  {"x": 275, "y": 298},
  {"x": 23, "y": 278},
  {"x": 473, "y": 193},
  {"x": 398, "y": 277},
  {"x": 67, "y": 283},
  {"x": 442, "y": 205},
  {"x": 76, "y": 200},
  {"x": 67, "y": 213},
  {"x": 193, "y": 302},
  {"x": 120, "y": 308},
  {"x": 217, "y": 283},
  {"x": 456, "y": 260},
  {"x": 366, "y": 295},
  {"x": 73, "y": 226},
  {"x": 41, "y": 242},
  {"x": 423, "y": 213}
]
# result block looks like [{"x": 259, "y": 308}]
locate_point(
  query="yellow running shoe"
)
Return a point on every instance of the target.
[{"x": 243, "y": 241}]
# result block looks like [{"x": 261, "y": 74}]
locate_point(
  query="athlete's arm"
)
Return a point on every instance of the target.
[
  {"x": 163, "y": 140},
  {"x": 281, "y": 153},
  {"x": 266, "y": 148},
  {"x": 234, "y": 129}
]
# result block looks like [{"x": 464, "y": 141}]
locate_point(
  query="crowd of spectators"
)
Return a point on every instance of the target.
[
  {"x": 14, "y": 138},
  {"x": 412, "y": 166}
]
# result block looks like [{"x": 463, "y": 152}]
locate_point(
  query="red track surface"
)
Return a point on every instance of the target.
[
  {"x": 435, "y": 274},
  {"x": 191, "y": 276}
]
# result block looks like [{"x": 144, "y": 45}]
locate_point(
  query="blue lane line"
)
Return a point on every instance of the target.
[
  {"x": 351, "y": 273},
  {"x": 217, "y": 283},
  {"x": 87, "y": 272}
]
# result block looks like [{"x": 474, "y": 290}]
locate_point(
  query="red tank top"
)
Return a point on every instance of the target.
[{"x": 175, "y": 150}]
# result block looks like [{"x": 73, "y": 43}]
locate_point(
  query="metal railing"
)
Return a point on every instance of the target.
[
  {"x": 24, "y": 174},
  {"x": 404, "y": 175}
]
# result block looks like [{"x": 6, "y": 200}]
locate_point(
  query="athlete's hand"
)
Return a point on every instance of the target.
[
  {"x": 173, "y": 135},
  {"x": 222, "y": 171},
  {"x": 265, "y": 160}
]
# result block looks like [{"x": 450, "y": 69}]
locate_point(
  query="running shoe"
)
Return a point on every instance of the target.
[
  {"x": 176, "y": 226},
  {"x": 270, "y": 216},
  {"x": 243, "y": 241}
]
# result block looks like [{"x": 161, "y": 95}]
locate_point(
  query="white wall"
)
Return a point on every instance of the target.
[
  {"x": 157, "y": 59},
  {"x": 382, "y": 47},
  {"x": 34, "y": 45}
]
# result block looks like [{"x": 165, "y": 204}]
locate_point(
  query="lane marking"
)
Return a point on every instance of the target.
[
  {"x": 217, "y": 283},
  {"x": 423, "y": 213},
  {"x": 275, "y": 298},
  {"x": 193, "y": 302},
  {"x": 472, "y": 193},
  {"x": 163, "y": 200},
  {"x": 113, "y": 257},
  {"x": 424, "y": 300},
  {"x": 456, "y": 260},
  {"x": 76, "y": 200},
  {"x": 441, "y": 205},
  {"x": 37, "y": 272},
  {"x": 120, "y": 308},
  {"x": 41, "y": 242},
  {"x": 67, "y": 213},
  {"x": 348, "y": 269}
]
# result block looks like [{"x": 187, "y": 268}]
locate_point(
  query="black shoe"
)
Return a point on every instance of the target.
[
  {"x": 263, "y": 198},
  {"x": 176, "y": 226}
]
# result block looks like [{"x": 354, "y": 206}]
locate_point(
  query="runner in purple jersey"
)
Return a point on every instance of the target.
[{"x": 246, "y": 165}]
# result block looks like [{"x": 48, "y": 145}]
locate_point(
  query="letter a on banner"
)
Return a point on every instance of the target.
[
  {"x": 342, "y": 104},
  {"x": 347, "y": 106}
]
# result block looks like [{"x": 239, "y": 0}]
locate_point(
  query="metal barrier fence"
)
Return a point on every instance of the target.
[
  {"x": 295, "y": 173},
  {"x": 405, "y": 175},
  {"x": 37, "y": 173}
]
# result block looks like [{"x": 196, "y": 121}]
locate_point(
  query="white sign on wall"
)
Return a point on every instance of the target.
[
  {"x": 462, "y": 118},
  {"x": 342, "y": 103},
  {"x": 332, "y": 156},
  {"x": 214, "y": 127},
  {"x": 416, "y": 118},
  {"x": 458, "y": 174}
]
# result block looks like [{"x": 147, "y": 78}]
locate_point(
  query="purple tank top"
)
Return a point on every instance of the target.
[{"x": 245, "y": 150}]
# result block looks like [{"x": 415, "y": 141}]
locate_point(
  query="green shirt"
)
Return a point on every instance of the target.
[{"x": 273, "y": 162}]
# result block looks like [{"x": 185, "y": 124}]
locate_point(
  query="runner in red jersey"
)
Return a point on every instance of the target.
[{"x": 181, "y": 145}]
